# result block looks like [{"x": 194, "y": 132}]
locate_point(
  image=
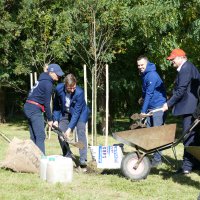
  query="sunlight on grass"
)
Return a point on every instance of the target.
[{"x": 161, "y": 183}]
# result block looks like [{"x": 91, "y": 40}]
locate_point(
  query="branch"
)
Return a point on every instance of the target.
[{"x": 14, "y": 86}]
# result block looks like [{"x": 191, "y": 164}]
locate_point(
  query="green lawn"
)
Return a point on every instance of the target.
[{"x": 108, "y": 184}]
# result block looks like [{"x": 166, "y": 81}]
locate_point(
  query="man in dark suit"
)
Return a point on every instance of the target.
[
  {"x": 184, "y": 100},
  {"x": 70, "y": 111}
]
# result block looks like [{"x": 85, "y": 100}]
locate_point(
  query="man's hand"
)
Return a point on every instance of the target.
[
  {"x": 165, "y": 107},
  {"x": 67, "y": 134},
  {"x": 55, "y": 123},
  {"x": 50, "y": 123}
]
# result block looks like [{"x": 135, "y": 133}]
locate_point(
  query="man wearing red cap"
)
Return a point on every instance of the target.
[{"x": 184, "y": 101}]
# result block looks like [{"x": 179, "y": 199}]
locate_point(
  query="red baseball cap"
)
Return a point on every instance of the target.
[{"x": 175, "y": 53}]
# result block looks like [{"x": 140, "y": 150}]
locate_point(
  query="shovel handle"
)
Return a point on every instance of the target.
[
  {"x": 5, "y": 137},
  {"x": 58, "y": 129}
]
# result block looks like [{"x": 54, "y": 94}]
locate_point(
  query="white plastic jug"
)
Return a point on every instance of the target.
[
  {"x": 43, "y": 167},
  {"x": 59, "y": 169},
  {"x": 65, "y": 170},
  {"x": 51, "y": 171}
]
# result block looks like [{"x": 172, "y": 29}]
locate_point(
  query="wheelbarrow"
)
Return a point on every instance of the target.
[
  {"x": 194, "y": 150},
  {"x": 136, "y": 165}
]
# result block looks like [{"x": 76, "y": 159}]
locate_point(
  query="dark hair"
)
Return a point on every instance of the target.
[
  {"x": 142, "y": 57},
  {"x": 70, "y": 79}
]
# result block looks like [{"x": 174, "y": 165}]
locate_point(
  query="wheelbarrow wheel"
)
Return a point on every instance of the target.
[{"x": 128, "y": 163}]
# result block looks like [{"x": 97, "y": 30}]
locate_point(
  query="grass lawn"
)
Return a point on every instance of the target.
[{"x": 161, "y": 184}]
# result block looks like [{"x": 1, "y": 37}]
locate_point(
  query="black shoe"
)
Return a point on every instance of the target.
[
  {"x": 183, "y": 171},
  {"x": 83, "y": 165},
  {"x": 186, "y": 171}
]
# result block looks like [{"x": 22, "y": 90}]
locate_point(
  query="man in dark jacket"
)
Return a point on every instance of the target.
[
  {"x": 153, "y": 97},
  {"x": 70, "y": 111},
  {"x": 184, "y": 100},
  {"x": 38, "y": 101}
]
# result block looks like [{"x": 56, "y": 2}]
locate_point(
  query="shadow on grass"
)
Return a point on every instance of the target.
[
  {"x": 18, "y": 121},
  {"x": 170, "y": 173},
  {"x": 112, "y": 172},
  {"x": 166, "y": 173}
]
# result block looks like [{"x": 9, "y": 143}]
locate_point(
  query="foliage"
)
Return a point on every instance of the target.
[
  {"x": 44, "y": 27},
  {"x": 95, "y": 32}
]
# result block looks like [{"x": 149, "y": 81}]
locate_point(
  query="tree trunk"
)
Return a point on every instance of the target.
[
  {"x": 2, "y": 106},
  {"x": 94, "y": 81}
]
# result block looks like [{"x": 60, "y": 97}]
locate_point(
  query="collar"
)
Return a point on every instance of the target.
[
  {"x": 68, "y": 94},
  {"x": 179, "y": 68}
]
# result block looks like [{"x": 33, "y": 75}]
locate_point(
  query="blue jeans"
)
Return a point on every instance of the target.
[
  {"x": 36, "y": 125},
  {"x": 158, "y": 119},
  {"x": 63, "y": 125}
]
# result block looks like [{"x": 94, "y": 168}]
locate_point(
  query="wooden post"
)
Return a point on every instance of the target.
[
  {"x": 35, "y": 77},
  {"x": 92, "y": 121},
  {"x": 107, "y": 105},
  {"x": 31, "y": 80},
  {"x": 85, "y": 93}
]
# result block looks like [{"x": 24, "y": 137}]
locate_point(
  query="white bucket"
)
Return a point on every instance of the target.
[{"x": 59, "y": 169}]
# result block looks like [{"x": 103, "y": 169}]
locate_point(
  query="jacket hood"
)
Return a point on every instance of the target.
[
  {"x": 150, "y": 67},
  {"x": 45, "y": 76}
]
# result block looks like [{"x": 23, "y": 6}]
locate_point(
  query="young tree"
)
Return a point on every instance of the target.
[{"x": 96, "y": 38}]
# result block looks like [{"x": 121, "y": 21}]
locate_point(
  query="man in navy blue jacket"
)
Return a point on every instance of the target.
[
  {"x": 184, "y": 101},
  {"x": 70, "y": 111},
  {"x": 38, "y": 101},
  {"x": 153, "y": 97}
]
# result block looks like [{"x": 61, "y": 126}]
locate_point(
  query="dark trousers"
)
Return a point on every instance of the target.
[
  {"x": 189, "y": 161},
  {"x": 63, "y": 125},
  {"x": 36, "y": 125},
  {"x": 158, "y": 119}
]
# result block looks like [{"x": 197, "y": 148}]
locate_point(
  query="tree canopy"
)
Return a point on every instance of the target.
[{"x": 96, "y": 32}]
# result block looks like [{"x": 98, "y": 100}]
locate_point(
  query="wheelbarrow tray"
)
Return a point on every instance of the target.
[
  {"x": 194, "y": 150},
  {"x": 148, "y": 138}
]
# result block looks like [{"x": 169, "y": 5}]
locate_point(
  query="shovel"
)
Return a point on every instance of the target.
[
  {"x": 137, "y": 116},
  {"x": 57, "y": 130},
  {"x": 79, "y": 145},
  {"x": 142, "y": 118}
]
